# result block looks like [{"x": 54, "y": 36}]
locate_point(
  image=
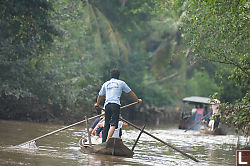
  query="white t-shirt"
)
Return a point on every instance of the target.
[
  {"x": 194, "y": 110},
  {"x": 113, "y": 90},
  {"x": 117, "y": 131}
]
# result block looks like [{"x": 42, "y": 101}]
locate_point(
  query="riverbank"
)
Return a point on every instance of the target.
[{"x": 30, "y": 109}]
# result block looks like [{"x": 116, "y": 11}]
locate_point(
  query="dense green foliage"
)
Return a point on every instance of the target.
[
  {"x": 218, "y": 31},
  {"x": 24, "y": 36},
  {"x": 37, "y": 63},
  {"x": 58, "y": 53}
]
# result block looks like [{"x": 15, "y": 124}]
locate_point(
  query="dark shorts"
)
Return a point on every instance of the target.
[{"x": 112, "y": 112}]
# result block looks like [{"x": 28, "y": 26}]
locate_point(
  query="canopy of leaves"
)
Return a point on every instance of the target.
[{"x": 25, "y": 33}]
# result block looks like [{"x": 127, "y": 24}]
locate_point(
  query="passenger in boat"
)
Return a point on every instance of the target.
[
  {"x": 98, "y": 129},
  {"x": 97, "y": 120},
  {"x": 118, "y": 130},
  {"x": 207, "y": 114},
  {"x": 113, "y": 90},
  {"x": 194, "y": 110}
]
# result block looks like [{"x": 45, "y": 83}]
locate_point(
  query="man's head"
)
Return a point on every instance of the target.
[{"x": 114, "y": 73}]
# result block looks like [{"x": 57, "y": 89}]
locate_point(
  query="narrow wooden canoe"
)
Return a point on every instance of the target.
[
  {"x": 113, "y": 147},
  {"x": 217, "y": 131}
]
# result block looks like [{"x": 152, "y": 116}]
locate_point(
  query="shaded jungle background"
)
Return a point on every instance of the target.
[{"x": 55, "y": 55}]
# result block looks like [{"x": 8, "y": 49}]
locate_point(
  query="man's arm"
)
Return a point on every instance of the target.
[
  {"x": 100, "y": 95},
  {"x": 135, "y": 97},
  {"x": 98, "y": 100}
]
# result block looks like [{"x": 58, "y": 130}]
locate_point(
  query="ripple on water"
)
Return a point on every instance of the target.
[{"x": 62, "y": 148}]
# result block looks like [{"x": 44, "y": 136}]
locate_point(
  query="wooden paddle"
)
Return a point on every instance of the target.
[{"x": 185, "y": 154}]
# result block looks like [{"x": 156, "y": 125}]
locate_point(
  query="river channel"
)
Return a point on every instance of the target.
[{"x": 62, "y": 148}]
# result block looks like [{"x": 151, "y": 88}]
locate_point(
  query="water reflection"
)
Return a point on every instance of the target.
[
  {"x": 62, "y": 148},
  {"x": 106, "y": 160}
]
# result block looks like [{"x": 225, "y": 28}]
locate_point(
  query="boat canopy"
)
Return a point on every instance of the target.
[{"x": 197, "y": 99}]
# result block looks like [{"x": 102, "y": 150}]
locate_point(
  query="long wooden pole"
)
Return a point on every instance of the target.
[
  {"x": 69, "y": 126},
  {"x": 138, "y": 137},
  {"x": 125, "y": 106},
  {"x": 185, "y": 154},
  {"x": 90, "y": 143},
  {"x": 61, "y": 129}
]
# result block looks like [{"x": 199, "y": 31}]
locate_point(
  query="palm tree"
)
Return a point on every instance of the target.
[
  {"x": 171, "y": 59},
  {"x": 103, "y": 30}
]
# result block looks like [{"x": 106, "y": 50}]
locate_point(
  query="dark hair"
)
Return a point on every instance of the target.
[{"x": 114, "y": 73}]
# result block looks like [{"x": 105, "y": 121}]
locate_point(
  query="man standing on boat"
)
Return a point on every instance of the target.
[
  {"x": 215, "y": 118},
  {"x": 113, "y": 90}
]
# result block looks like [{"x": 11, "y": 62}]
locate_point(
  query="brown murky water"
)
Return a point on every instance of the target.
[{"x": 62, "y": 148}]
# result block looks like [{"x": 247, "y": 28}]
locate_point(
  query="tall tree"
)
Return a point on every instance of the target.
[{"x": 25, "y": 33}]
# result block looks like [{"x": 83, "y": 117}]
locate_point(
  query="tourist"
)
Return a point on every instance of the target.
[{"x": 113, "y": 90}]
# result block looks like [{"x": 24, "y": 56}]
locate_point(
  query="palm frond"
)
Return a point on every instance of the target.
[{"x": 105, "y": 32}]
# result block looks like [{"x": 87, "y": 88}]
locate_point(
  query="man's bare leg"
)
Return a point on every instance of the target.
[{"x": 111, "y": 132}]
